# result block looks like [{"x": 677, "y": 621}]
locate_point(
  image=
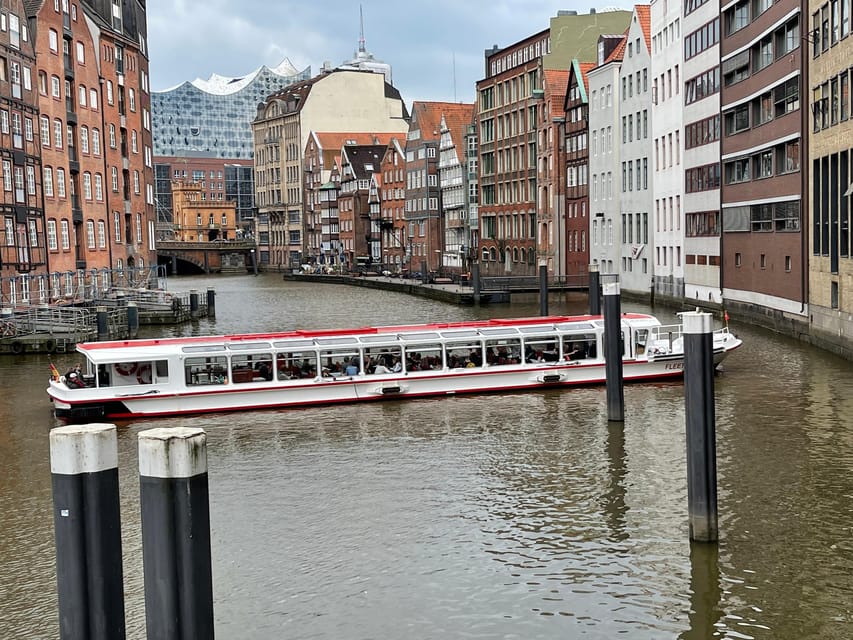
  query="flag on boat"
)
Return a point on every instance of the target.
[{"x": 54, "y": 372}]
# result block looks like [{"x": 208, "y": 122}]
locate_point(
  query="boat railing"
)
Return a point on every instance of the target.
[{"x": 668, "y": 335}]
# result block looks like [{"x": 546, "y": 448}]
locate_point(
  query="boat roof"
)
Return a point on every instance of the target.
[{"x": 160, "y": 348}]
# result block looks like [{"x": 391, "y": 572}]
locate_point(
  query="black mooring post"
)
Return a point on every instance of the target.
[
  {"x": 103, "y": 320},
  {"x": 543, "y": 290},
  {"x": 613, "y": 352},
  {"x": 594, "y": 291},
  {"x": 700, "y": 417},
  {"x": 424, "y": 274},
  {"x": 194, "y": 304},
  {"x": 211, "y": 302},
  {"x": 132, "y": 319},
  {"x": 475, "y": 276},
  {"x": 87, "y": 524},
  {"x": 176, "y": 533}
]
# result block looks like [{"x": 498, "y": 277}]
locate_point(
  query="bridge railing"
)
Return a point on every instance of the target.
[{"x": 508, "y": 283}]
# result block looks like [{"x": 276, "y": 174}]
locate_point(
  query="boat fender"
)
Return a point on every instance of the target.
[
  {"x": 17, "y": 347},
  {"x": 126, "y": 368},
  {"x": 143, "y": 374},
  {"x": 50, "y": 345}
]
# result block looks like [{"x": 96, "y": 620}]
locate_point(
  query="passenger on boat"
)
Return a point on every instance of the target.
[
  {"x": 398, "y": 365},
  {"x": 352, "y": 367},
  {"x": 577, "y": 351},
  {"x": 381, "y": 368},
  {"x": 74, "y": 377}
]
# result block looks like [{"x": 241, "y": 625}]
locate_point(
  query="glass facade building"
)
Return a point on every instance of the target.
[{"x": 214, "y": 116}]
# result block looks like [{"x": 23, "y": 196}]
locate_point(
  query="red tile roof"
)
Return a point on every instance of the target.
[
  {"x": 585, "y": 68},
  {"x": 618, "y": 52},
  {"x": 427, "y": 116},
  {"x": 557, "y": 82},
  {"x": 644, "y": 17}
]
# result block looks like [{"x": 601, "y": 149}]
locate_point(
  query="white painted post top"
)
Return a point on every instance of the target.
[
  {"x": 697, "y": 322},
  {"x": 83, "y": 448},
  {"x": 610, "y": 288},
  {"x": 179, "y": 452},
  {"x": 593, "y": 268}
]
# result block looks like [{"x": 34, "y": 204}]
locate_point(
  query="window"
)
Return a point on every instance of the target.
[
  {"x": 60, "y": 182},
  {"x": 114, "y": 172},
  {"x": 57, "y": 133},
  {"x": 81, "y": 93},
  {"x": 133, "y": 142},
  {"x": 736, "y": 68},
  {"x": 96, "y": 142},
  {"x": 90, "y": 234},
  {"x": 763, "y": 164},
  {"x": 112, "y": 136},
  {"x": 786, "y": 97},
  {"x": 99, "y": 187},
  {"x": 81, "y": 53},
  {"x": 109, "y": 92},
  {"x": 737, "y": 17},
  {"x": 737, "y": 171},
  {"x": 737, "y": 120},
  {"x": 48, "y": 181},
  {"x": 87, "y": 185},
  {"x": 55, "y": 87},
  {"x": 53, "y": 40},
  {"x": 93, "y": 99},
  {"x": 102, "y": 234},
  {"x": 45, "y": 131},
  {"x": 84, "y": 139},
  {"x": 31, "y": 180},
  {"x": 64, "y": 235},
  {"x": 51, "y": 235},
  {"x": 131, "y": 99}
]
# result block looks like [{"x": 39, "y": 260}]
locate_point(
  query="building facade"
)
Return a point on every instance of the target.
[
  {"x": 763, "y": 248},
  {"x": 830, "y": 146},
  {"x": 666, "y": 249},
  {"x": 636, "y": 230},
  {"x": 455, "y": 187},
  {"x": 551, "y": 172},
  {"x": 396, "y": 250},
  {"x": 702, "y": 133},
  {"x": 23, "y": 250},
  {"x": 576, "y": 160},
  {"x": 605, "y": 153},
  {"x": 198, "y": 219}
]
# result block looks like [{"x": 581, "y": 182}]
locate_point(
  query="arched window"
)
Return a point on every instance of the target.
[{"x": 485, "y": 254}]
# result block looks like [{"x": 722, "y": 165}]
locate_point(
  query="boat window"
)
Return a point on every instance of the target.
[
  {"x": 161, "y": 369},
  {"x": 542, "y": 328},
  {"x": 248, "y": 346},
  {"x": 332, "y": 341},
  {"x": 251, "y": 367},
  {"x": 460, "y": 333},
  {"x": 206, "y": 370},
  {"x": 383, "y": 338},
  {"x": 503, "y": 351},
  {"x": 579, "y": 346},
  {"x": 388, "y": 357},
  {"x": 641, "y": 339},
  {"x": 499, "y": 331},
  {"x": 334, "y": 362},
  {"x": 423, "y": 357},
  {"x": 463, "y": 354},
  {"x": 293, "y": 344},
  {"x": 576, "y": 326},
  {"x": 203, "y": 348},
  {"x": 414, "y": 337},
  {"x": 122, "y": 374},
  {"x": 296, "y": 364},
  {"x": 541, "y": 349}
]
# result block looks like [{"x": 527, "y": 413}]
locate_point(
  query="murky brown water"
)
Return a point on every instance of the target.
[{"x": 504, "y": 516}]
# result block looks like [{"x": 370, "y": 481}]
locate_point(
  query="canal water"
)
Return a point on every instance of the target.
[{"x": 501, "y": 516}]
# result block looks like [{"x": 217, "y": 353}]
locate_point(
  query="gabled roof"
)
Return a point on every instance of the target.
[
  {"x": 426, "y": 116},
  {"x": 364, "y": 159},
  {"x": 585, "y": 68},
  {"x": 644, "y": 18},
  {"x": 458, "y": 119},
  {"x": 326, "y": 140},
  {"x": 557, "y": 81},
  {"x": 618, "y": 52}
]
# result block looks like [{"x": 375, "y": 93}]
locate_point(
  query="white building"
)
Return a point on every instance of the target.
[
  {"x": 702, "y": 218},
  {"x": 668, "y": 175},
  {"x": 636, "y": 224},
  {"x": 605, "y": 151}
]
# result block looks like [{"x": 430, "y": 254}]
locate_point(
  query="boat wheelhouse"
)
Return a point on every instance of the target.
[{"x": 180, "y": 376}]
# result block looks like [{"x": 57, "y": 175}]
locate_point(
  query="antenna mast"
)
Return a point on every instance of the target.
[{"x": 361, "y": 47}]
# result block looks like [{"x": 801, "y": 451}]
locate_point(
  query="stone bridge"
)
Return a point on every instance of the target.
[{"x": 222, "y": 256}]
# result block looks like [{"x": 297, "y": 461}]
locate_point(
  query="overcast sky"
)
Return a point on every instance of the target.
[{"x": 193, "y": 38}]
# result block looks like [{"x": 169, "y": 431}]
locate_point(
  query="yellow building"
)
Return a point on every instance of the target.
[{"x": 200, "y": 220}]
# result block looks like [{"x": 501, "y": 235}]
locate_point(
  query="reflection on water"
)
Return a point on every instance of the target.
[{"x": 511, "y": 515}]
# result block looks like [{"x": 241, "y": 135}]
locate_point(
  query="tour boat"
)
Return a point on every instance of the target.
[{"x": 180, "y": 376}]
